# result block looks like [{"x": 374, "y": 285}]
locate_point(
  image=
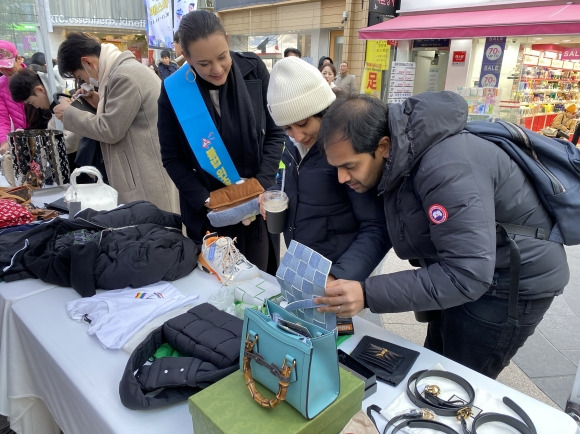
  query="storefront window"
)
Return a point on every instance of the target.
[
  {"x": 269, "y": 31},
  {"x": 18, "y": 25}
]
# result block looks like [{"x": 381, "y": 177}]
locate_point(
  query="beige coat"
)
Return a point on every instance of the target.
[
  {"x": 346, "y": 83},
  {"x": 563, "y": 123},
  {"x": 127, "y": 130}
]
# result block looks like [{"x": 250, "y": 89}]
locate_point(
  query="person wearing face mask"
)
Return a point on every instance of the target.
[
  {"x": 330, "y": 218},
  {"x": 124, "y": 93},
  {"x": 230, "y": 91}
]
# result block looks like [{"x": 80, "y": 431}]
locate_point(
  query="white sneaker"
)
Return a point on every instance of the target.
[{"x": 219, "y": 256}]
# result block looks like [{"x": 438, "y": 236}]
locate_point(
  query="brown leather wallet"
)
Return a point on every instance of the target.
[{"x": 234, "y": 194}]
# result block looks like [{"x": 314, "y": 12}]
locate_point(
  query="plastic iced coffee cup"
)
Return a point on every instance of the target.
[{"x": 276, "y": 205}]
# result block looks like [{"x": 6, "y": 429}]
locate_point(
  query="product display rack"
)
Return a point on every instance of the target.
[{"x": 543, "y": 86}]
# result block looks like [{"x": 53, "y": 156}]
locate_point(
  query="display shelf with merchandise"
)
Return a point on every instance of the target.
[
  {"x": 543, "y": 86},
  {"x": 482, "y": 102}
]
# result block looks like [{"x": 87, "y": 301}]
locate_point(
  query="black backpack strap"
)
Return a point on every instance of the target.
[
  {"x": 515, "y": 262},
  {"x": 527, "y": 231}
]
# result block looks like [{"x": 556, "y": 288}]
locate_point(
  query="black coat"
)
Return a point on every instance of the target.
[
  {"x": 330, "y": 218},
  {"x": 166, "y": 70},
  {"x": 193, "y": 183},
  {"x": 134, "y": 245},
  {"x": 444, "y": 189}
]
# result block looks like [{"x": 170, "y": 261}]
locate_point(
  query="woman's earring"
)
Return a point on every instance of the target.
[{"x": 187, "y": 75}]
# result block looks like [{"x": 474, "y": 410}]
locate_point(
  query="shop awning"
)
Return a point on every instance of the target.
[{"x": 541, "y": 20}]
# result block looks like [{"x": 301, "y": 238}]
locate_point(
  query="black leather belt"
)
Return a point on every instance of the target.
[
  {"x": 412, "y": 419},
  {"x": 422, "y": 423},
  {"x": 457, "y": 408},
  {"x": 430, "y": 403},
  {"x": 525, "y": 427}
]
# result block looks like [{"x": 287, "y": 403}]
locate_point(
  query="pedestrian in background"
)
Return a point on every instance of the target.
[
  {"x": 565, "y": 121},
  {"x": 166, "y": 66},
  {"x": 124, "y": 92},
  {"x": 292, "y": 52},
  {"x": 12, "y": 113},
  {"x": 344, "y": 80},
  {"x": 323, "y": 61},
  {"x": 328, "y": 71}
]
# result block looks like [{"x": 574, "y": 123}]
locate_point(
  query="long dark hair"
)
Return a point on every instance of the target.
[{"x": 198, "y": 25}]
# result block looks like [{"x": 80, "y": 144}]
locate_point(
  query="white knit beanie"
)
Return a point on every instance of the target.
[{"x": 297, "y": 90}]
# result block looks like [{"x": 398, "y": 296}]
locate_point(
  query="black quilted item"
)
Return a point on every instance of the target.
[
  {"x": 209, "y": 340},
  {"x": 206, "y": 332}
]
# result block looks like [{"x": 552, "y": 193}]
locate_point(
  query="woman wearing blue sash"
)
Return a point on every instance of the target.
[{"x": 214, "y": 129}]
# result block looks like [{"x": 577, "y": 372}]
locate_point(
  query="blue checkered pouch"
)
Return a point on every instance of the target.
[{"x": 302, "y": 276}]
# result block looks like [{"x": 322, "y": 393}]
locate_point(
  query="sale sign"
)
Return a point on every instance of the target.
[
  {"x": 492, "y": 59},
  {"x": 571, "y": 54}
]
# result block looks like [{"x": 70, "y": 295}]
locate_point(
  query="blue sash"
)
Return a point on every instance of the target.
[{"x": 202, "y": 134}]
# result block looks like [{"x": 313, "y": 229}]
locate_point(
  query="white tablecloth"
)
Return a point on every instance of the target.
[
  {"x": 10, "y": 367},
  {"x": 53, "y": 359}
]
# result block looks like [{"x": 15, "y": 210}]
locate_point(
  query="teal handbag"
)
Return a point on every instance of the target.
[{"x": 292, "y": 358}]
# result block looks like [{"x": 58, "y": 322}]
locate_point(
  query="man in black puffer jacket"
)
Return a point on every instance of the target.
[
  {"x": 444, "y": 189},
  {"x": 133, "y": 245}
]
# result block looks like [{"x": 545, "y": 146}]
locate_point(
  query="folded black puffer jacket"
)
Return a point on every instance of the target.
[
  {"x": 209, "y": 340},
  {"x": 134, "y": 245}
]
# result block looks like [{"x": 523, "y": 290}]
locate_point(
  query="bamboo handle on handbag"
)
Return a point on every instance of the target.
[{"x": 284, "y": 379}]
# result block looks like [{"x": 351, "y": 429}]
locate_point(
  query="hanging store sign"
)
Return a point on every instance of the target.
[
  {"x": 378, "y": 52},
  {"x": 431, "y": 43},
  {"x": 571, "y": 54},
  {"x": 23, "y": 27},
  {"x": 384, "y": 7},
  {"x": 492, "y": 60},
  {"x": 459, "y": 57},
  {"x": 372, "y": 81},
  {"x": 124, "y": 23},
  {"x": 159, "y": 23}
]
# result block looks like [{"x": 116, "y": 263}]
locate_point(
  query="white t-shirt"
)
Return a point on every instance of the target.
[{"x": 116, "y": 315}]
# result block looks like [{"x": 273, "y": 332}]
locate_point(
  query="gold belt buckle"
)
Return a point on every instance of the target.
[
  {"x": 464, "y": 413},
  {"x": 433, "y": 389}
]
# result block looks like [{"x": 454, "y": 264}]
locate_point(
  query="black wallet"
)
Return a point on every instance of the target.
[
  {"x": 388, "y": 361},
  {"x": 57, "y": 205}
]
